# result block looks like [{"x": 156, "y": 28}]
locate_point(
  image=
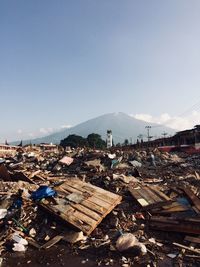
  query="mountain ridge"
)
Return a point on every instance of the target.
[{"x": 123, "y": 127}]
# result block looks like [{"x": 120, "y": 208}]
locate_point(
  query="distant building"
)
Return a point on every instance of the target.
[
  {"x": 49, "y": 147},
  {"x": 6, "y": 150},
  {"x": 109, "y": 139},
  {"x": 187, "y": 140}
]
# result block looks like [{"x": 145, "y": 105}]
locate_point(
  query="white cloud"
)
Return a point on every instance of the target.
[
  {"x": 46, "y": 130},
  {"x": 175, "y": 122},
  {"x": 67, "y": 126},
  {"x": 19, "y": 131},
  {"x": 43, "y": 130}
]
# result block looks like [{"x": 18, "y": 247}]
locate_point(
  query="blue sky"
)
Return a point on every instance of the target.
[{"x": 63, "y": 62}]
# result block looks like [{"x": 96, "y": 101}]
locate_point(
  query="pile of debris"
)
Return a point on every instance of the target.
[{"x": 117, "y": 208}]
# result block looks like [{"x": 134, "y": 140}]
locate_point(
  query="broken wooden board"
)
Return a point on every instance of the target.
[
  {"x": 52, "y": 242},
  {"x": 13, "y": 187},
  {"x": 152, "y": 180},
  {"x": 168, "y": 208},
  {"x": 172, "y": 224},
  {"x": 192, "y": 239},
  {"x": 21, "y": 176},
  {"x": 194, "y": 199},
  {"x": 81, "y": 204},
  {"x": 195, "y": 250},
  {"x": 146, "y": 195},
  {"x": 4, "y": 174}
]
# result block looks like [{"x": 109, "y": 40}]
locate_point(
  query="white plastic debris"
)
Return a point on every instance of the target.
[
  {"x": 84, "y": 261},
  {"x": 143, "y": 248},
  {"x": 20, "y": 240},
  {"x": 136, "y": 164},
  {"x": 112, "y": 156},
  {"x": 172, "y": 256},
  {"x": 126, "y": 241},
  {"x": 18, "y": 247},
  {"x": 32, "y": 232},
  {"x": 3, "y": 213},
  {"x": 73, "y": 237}
]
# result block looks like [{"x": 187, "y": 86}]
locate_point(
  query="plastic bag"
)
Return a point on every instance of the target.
[{"x": 43, "y": 192}]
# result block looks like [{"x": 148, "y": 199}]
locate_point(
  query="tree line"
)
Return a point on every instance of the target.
[{"x": 93, "y": 141}]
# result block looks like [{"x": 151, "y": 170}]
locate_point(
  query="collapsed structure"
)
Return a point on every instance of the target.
[{"x": 119, "y": 207}]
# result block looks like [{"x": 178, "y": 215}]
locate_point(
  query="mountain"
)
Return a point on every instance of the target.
[{"x": 122, "y": 125}]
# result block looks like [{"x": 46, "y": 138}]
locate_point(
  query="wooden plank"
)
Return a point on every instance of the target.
[
  {"x": 161, "y": 195},
  {"x": 69, "y": 210},
  {"x": 153, "y": 198},
  {"x": 135, "y": 192},
  {"x": 86, "y": 203},
  {"x": 84, "y": 188},
  {"x": 155, "y": 207},
  {"x": 87, "y": 211},
  {"x": 144, "y": 196},
  {"x": 174, "y": 207},
  {"x": 147, "y": 196},
  {"x": 195, "y": 200},
  {"x": 182, "y": 225},
  {"x": 93, "y": 199},
  {"x": 195, "y": 250},
  {"x": 52, "y": 242},
  {"x": 95, "y": 189},
  {"x": 84, "y": 218},
  {"x": 69, "y": 217},
  {"x": 137, "y": 196},
  {"x": 99, "y": 202},
  {"x": 95, "y": 207},
  {"x": 138, "y": 192},
  {"x": 192, "y": 239}
]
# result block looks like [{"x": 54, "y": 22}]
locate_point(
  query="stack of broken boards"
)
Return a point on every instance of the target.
[
  {"x": 81, "y": 204},
  {"x": 168, "y": 214}
]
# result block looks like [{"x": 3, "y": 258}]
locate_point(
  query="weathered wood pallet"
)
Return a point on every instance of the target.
[
  {"x": 81, "y": 204},
  {"x": 150, "y": 198},
  {"x": 147, "y": 196}
]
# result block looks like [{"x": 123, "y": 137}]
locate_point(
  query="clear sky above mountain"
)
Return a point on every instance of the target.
[{"x": 63, "y": 62}]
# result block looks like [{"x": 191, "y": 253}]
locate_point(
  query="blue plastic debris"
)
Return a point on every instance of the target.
[
  {"x": 114, "y": 163},
  {"x": 16, "y": 204},
  {"x": 2, "y": 161},
  {"x": 183, "y": 201},
  {"x": 43, "y": 192}
]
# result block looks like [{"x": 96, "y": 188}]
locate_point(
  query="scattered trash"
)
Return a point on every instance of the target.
[
  {"x": 126, "y": 241},
  {"x": 131, "y": 207},
  {"x": 74, "y": 237},
  {"x": 19, "y": 247},
  {"x": 18, "y": 239},
  {"x": 3, "y": 213},
  {"x": 66, "y": 160},
  {"x": 172, "y": 256}
]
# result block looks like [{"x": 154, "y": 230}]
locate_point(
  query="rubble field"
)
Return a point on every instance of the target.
[{"x": 84, "y": 207}]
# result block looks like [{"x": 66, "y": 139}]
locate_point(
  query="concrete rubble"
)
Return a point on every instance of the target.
[{"x": 115, "y": 207}]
